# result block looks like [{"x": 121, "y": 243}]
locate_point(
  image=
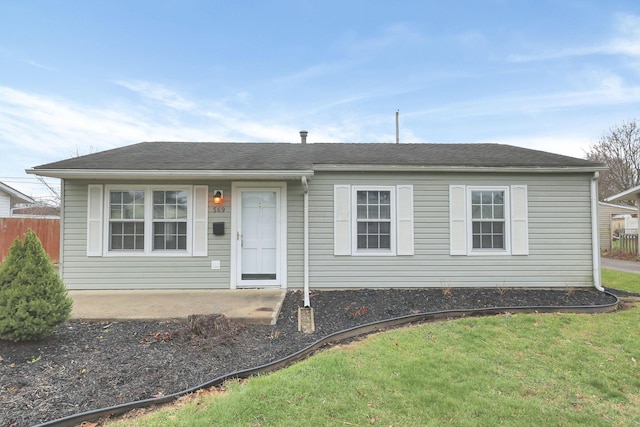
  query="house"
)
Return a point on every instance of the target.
[
  {"x": 10, "y": 198},
  {"x": 167, "y": 215},
  {"x": 607, "y": 213},
  {"x": 630, "y": 195}
]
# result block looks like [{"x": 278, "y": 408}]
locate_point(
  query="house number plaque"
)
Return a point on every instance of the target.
[{"x": 218, "y": 209}]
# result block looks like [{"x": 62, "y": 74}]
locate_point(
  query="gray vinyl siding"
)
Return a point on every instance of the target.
[
  {"x": 559, "y": 235},
  {"x": 559, "y": 240},
  {"x": 295, "y": 234},
  {"x": 139, "y": 272},
  {"x": 165, "y": 272}
]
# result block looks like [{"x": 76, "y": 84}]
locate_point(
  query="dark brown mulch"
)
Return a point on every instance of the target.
[{"x": 88, "y": 365}]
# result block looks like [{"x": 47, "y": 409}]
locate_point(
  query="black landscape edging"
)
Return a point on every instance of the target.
[{"x": 336, "y": 337}]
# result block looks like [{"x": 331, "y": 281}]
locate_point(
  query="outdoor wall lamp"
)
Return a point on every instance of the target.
[{"x": 218, "y": 197}]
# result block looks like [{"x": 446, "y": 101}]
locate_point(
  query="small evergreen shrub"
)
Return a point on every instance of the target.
[{"x": 33, "y": 299}]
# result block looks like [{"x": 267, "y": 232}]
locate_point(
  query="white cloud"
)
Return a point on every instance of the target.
[
  {"x": 159, "y": 93},
  {"x": 58, "y": 128},
  {"x": 625, "y": 40},
  {"x": 38, "y": 65},
  {"x": 610, "y": 92},
  {"x": 312, "y": 72},
  {"x": 37, "y": 129}
]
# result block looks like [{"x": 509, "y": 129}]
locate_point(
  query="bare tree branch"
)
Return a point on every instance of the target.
[{"x": 619, "y": 149}]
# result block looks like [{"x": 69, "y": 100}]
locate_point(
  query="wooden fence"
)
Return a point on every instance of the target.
[
  {"x": 47, "y": 230},
  {"x": 629, "y": 243}
]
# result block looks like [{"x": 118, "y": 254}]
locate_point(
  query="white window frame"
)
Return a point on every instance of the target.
[
  {"x": 507, "y": 221},
  {"x": 354, "y": 221},
  {"x": 148, "y": 221}
]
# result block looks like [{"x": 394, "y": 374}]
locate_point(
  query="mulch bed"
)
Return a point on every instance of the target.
[{"x": 90, "y": 365}]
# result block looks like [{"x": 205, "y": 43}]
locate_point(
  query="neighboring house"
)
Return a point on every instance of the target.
[
  {"x": 630, "y": 195},
  {"x": 606, "y": 214},
  {"x": 10, "y": 198},
  {"x": 167, "y": 215}
]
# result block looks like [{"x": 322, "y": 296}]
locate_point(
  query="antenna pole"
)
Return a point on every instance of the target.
[{"x": 397, "y": 127}]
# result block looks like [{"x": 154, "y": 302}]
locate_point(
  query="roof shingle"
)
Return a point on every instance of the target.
[{"x": 196, "y": 156}]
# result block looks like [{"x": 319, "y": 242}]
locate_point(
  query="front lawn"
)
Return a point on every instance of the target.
[
  {"x": 621, "y": 280},
  {"x": 533, "y": 370}
]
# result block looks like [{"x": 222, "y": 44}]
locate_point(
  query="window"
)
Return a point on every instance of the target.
[
  {"x": 169, "y": 220},
  {"x": 488, "y": 229},
  {"x": 148, "y": 220},
  {"x": 373, "y": 220},
  {"x": 126, "y": 220},
  {"x": 488, "y": 220}
]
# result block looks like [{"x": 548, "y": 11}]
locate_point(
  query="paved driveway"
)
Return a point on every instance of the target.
[{"x": 617, "y": 264}]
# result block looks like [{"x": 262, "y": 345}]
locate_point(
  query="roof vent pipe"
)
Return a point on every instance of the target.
[{"x": 303, "y": 136}]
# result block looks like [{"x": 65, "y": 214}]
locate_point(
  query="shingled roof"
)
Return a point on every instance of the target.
[{"x": 225, "y": 156}]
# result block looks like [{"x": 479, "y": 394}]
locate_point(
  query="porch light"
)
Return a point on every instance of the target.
[{"x": 217, "y": 197}]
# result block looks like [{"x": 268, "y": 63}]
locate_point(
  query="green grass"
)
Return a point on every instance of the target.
[
  {"x": 526, "y": 370},
  {"x": 629, "y": 282}
]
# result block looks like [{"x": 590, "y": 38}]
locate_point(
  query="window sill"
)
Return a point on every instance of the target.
[
  {"x": 373, "y": 253},
  {"x": 158, "y": 254},
  {"x": 488, "y": 253}
]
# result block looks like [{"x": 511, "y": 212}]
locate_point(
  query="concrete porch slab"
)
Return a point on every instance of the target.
[{"x": 257, "y": 306}]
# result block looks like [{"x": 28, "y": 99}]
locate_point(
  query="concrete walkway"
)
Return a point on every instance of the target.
[
  {"x": 620, "y": 265},
  {"x": 261, "y": 306}
]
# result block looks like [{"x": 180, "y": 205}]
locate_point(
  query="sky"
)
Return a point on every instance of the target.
[{"x": 77, "y": 77}]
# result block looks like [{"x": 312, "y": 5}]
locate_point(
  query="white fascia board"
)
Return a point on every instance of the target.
[
  {"x": 630, "y": 194},
  {"x": 417, "y": 168},
  {"x": 170, "y": 174}
]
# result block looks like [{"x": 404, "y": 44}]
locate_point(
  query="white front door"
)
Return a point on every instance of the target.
[{"x": 258, "y": 237}]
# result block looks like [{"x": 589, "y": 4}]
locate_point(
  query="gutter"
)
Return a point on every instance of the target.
[
  {"x": 322, "y": 167},
  {"x": 305, "y": 186},
  {"x": 169, "y": 174},
  {"x": 595, "y": 236}
]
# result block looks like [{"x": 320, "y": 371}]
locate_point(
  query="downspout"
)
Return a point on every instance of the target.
[
  {"x": 61, "y": 247},
  {"x": 595, "y": 236},
  {"x": 305, "y": 187}
]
